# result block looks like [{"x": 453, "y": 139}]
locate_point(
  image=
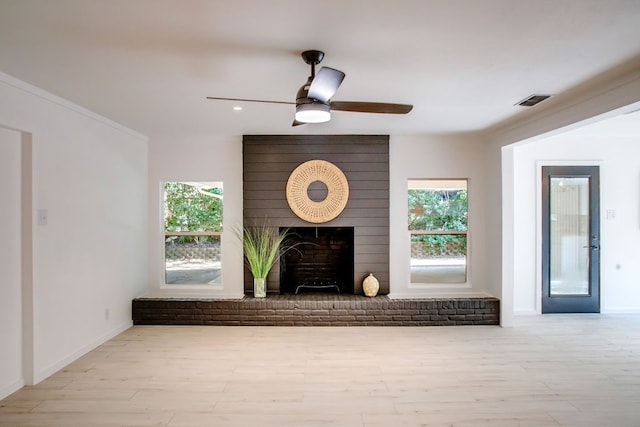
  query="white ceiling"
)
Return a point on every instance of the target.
[{"x": 463, "y": 64}]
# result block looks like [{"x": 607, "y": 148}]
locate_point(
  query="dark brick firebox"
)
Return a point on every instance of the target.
[
  {"x": 322, "y": 259},
  {"x": 317, "y": 310}
]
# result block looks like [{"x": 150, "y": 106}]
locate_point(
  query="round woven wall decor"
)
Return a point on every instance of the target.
[{"x": 337, "y": 191}]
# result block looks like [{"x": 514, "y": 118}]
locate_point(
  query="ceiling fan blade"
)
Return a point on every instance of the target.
[
  {"x": 297, "y": 123},
  {"x": 250, "y": 100},
  {"x": 371, "y": 107},
  {"x": 325, "y": 84}
]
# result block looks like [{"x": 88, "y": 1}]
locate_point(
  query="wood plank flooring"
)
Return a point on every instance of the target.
[{"x": 567, "y": 370}]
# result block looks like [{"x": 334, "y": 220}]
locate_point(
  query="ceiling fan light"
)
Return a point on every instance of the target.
[{"x": 313, "y": 113}]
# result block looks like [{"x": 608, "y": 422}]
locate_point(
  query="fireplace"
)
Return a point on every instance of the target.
[
  {"x": 269, "y": 161},
  {"x": 322, "y": 261}
]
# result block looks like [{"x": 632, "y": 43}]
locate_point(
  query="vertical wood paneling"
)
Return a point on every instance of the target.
[{"x": 268, "y": 160}]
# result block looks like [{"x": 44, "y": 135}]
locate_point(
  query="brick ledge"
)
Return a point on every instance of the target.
[{"x": 317, "y": 310}]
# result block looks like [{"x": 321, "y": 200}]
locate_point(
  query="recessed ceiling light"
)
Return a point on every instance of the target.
[{"x": 237, "y": 108}]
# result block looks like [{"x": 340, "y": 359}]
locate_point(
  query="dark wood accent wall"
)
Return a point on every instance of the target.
[{"x": 268, "y": 160}]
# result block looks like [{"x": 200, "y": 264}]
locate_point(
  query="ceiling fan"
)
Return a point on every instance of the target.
[{"x": 313, "y": 101}]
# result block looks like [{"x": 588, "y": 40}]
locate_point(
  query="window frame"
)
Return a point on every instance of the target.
[
  {"x": 465, "y": 232},
  {"x": 167, "y": 234}
]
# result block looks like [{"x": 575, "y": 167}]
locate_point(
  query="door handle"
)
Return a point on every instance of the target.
[{"x": 594, "y": 247}]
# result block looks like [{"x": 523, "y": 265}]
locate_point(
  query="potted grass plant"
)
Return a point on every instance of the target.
[{"x": 263, "y": 245}]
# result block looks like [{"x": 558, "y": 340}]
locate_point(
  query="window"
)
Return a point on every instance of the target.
[
  {"x": 438, "y": 227},
  {"x": 192, "y": 230}
]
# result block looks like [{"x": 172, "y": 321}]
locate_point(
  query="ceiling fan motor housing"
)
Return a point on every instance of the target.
[{"x": 303, "y": 91}]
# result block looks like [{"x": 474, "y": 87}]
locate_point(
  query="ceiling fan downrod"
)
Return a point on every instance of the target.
[{"x": 313, "y": 58}]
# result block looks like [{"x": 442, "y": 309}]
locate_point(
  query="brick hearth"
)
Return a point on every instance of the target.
[{"x": 317, "y": 310}]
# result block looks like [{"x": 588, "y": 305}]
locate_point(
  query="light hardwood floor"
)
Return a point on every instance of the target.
[{"x": 578, "y": 370}]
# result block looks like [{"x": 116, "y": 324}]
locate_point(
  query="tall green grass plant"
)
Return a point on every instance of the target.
[{"x": 262, "y": 245}]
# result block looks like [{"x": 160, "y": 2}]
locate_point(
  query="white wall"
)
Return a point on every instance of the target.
[
  {"x": 439, "y": 157},
  {"x": 11, "y": 374},
  {"x": 605, "y": 96},
  {"x": 197, "y": 158},
  {"x": 90, "y": 175},
  {"x": 220, "y": 159},
  {"x": 619, "y": 160}
]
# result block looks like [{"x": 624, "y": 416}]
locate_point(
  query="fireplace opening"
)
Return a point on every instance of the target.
[{"x": 322, "y": 261}]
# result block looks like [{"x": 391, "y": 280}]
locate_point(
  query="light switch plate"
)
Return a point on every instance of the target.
[{"x": 43, "y": 217}]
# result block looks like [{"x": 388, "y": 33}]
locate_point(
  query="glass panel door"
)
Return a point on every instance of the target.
[
  {"x": 570, "y": 239},
  {"x": 569, "y": 235}
]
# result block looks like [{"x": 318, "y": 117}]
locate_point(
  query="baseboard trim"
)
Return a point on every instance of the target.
[
  {"x": 529, "y": 312},
  {"x": 52, "y": 369},
  {"x": 11, "y": 388},
  {"x": 621, "y": 310}
]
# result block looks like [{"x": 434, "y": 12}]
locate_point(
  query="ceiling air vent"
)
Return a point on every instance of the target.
[{"x": 532, "y": 100}]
